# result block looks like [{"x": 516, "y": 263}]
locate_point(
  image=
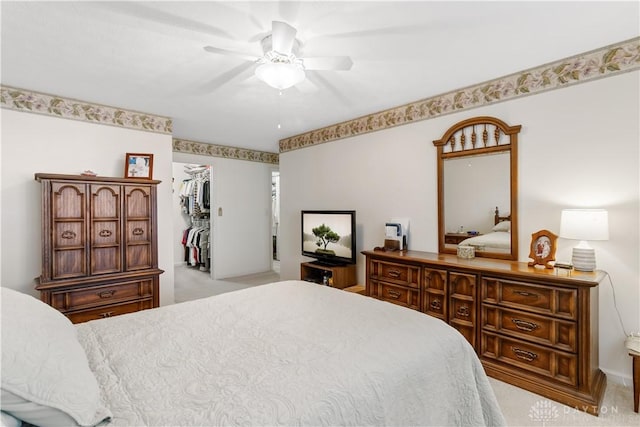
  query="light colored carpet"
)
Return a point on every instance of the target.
[{"x": 520, "y": 407}]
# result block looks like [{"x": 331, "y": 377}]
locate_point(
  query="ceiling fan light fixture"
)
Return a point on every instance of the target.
[{"x": 280, "y": 75}]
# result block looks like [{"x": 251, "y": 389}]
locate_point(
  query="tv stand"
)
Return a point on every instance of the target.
[{"x": 343, "y": 276}]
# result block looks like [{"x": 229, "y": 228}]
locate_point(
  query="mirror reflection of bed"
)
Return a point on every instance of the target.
[{"x": 496, "y": 240}]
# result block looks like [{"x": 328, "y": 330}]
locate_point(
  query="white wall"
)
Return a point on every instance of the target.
[
  {"x": 34, "y": 143},
  {"x": 242, "y": 234},
  {"x": 578, "y": 148}
]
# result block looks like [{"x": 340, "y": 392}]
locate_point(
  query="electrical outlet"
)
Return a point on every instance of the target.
[{"x": 633, "y": 342}]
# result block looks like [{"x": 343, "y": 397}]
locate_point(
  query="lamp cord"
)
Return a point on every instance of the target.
[{"x": 615, "y": 305}]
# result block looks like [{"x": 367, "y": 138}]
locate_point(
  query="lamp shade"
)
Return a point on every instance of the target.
[
  {"x": 584, "y": 224},
  {"x": 280, "y": 75}
]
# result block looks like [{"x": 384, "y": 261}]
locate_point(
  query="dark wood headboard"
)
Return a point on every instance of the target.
[{"x": 497, "y": 218}]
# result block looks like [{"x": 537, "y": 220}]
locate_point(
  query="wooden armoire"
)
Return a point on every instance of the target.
[{"x": 99, "y": 245}]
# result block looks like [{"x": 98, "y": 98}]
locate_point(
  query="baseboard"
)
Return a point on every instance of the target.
[{"x": 618, "y": 378}]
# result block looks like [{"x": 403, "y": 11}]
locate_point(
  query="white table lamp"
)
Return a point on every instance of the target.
[{"x": 584, "y": 225}]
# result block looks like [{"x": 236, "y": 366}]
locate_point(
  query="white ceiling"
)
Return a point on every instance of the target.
[{"x": 149, "y": 57}]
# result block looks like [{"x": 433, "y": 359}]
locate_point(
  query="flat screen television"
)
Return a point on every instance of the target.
[{"x": 329, "y": 236}]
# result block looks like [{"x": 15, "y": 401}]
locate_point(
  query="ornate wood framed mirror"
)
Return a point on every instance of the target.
[{"x": 478, "y": 188}]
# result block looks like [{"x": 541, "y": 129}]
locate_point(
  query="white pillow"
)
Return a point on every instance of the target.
[
  {"x": 9, "y": 421},
  {"x": 502, "y": 226},
  {"x": 46, "y": 379}
]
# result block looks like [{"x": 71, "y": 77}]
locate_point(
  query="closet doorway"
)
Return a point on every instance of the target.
[{"x": 192, "y": 226}]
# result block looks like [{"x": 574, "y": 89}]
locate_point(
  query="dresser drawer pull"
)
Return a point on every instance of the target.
[
  {"x": 107, "y": 314},
  {"x": 393, "y": 294},
  {"x": 68, "y": 234},
  {"x": 105, "y": 233},
  {"x": 524, "y": 355},
  {"x": 436, "y": 304},
  {"x": 138, "y": 231},
  {"x": 526, "y": 294},
  {"x": 394, "y": 273},
  {"x": 106, "y": 294},
  {"x": 524, "y": 325},
  {"x": 463, "y": 311}
]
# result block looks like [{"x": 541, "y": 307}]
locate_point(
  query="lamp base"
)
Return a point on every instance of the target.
[{"x": 584, "y": 259}]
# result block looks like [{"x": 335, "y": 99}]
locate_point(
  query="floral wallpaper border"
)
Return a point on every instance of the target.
[
  {"x": 605, "y": 62},
  {"x": 41, "y": 103},
  {"x": 193, "y": 147}
]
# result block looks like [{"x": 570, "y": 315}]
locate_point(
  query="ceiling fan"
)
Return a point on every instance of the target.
[{"x": 281, "y": 66}]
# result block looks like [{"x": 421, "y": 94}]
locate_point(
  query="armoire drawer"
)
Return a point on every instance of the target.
[
  {"x": 402, "y": 274},
  {"x": 109, "y": 311},
  {"x": 541, "y": 299},
  {"x": 401, "y": 295},
  {"x": 555, "y": 364},
  {"x": 560, "y": 334},
  {"x": 85, "y": 297}
]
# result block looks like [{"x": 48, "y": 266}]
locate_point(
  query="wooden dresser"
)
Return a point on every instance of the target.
[
  {"x": 531, "y": 327},
  {"x": 99, "y": 245}
]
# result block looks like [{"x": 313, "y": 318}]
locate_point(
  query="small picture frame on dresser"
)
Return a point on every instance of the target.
[
  {"x": 543, "y": 248},
  {"x": 138, "y": 166}
]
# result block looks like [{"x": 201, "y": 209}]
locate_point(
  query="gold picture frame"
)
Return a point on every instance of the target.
[
  {"x": 138, "y": 166},
  {"x": 543, "y": 248}
]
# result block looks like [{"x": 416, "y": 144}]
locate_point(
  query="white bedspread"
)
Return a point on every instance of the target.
[
  {"x": 288, "y": 353},
  {"x": 499, "y": 240}
]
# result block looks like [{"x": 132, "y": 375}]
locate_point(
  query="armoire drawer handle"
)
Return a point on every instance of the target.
[
  {"x": 107, "y": 314},
  {"x": 394, "y": 273},
  {"x": 526, "y": 294},
  {"x": 138, "y": 231},
  {"x": 524, "y": 354},
  {"x": 104, "y": 233},
  {"x": 106, "y": 294},
  {"x": 68, "y": 234},
  {"x": 463, "y": 311},
  {"x": 393, "y": 294},
  {"x": 524, "y": 325},
  {"x": 436, "y": 304}
]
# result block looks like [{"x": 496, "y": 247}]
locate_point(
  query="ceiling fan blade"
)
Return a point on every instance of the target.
[
  {"x": 282, "y": 37},
  {"x": 231, "y": 53},
  {"x": 225, "y": 77},
  {"x": 343, "y": 63}
]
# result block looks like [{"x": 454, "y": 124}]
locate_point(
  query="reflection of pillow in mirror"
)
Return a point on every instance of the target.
[{"x": 502, "y": 226}]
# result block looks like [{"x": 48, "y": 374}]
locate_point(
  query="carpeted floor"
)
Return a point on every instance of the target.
[{"x": 520, "y": 407}]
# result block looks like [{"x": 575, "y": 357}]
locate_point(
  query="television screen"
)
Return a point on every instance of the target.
[{"x": 329, "y": 236}]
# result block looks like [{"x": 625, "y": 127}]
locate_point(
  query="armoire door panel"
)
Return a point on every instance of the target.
[
  {"x": 105, "y": 233},
  {"x": 69, "y": 263},
  {"x": 105, "y": 201},
  {"x": 68, "y": 201},
  {"x": 137, "y": 231},
  {"x": 138, "y": 203},
  {"x": 68, "y": 234},
  {"x": 138, "y": 257},
  {"x": 105, "y": 260}
]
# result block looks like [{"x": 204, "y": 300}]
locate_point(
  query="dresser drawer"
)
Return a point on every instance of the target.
[
  {"x": 85, "y": 297},
  {"x": 109, "y": 311},
  {"x": 402, "y": 274},
  {"x": 540, "y": 299},
  {"x": 401, "y": 295},
  {"x": 555, "y": 364},
  {"x": 560, "y": 334}
]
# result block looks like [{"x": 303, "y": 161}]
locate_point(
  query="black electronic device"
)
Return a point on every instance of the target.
[{"x": 329, "y": 236}]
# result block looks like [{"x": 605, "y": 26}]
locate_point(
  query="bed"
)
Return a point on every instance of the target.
[
  {"x": 286, "y": 353},
  {"x": 498, "y": 240}
]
